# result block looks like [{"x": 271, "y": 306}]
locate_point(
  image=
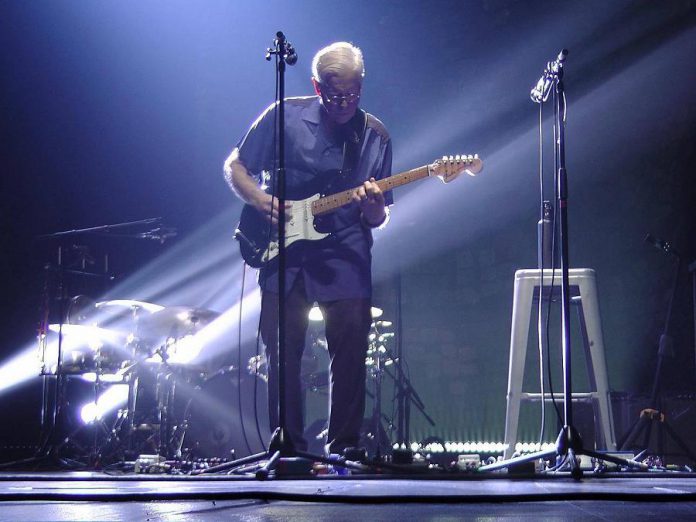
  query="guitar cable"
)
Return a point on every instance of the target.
[
  {"x": 540, "y": 339},
  {"x": 543, "y": 323},
  {"x": 554, "y": 228},
  {"x": 239, "y": 360}
]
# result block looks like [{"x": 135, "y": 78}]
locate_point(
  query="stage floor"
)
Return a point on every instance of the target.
[{"x": 99, "y": 496}]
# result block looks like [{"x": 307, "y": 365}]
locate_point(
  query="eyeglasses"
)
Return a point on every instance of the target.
[{"x": 338, "y": 99}]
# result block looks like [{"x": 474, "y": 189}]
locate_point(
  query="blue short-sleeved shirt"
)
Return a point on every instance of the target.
[{"x": 338, "y": 266}]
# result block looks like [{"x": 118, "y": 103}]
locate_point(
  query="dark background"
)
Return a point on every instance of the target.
[{"x": 116, "y": 111}]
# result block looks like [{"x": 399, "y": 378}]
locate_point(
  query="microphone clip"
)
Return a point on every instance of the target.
[
  {"x": 283, "y": 49},
  {"x": 552, "y": 74}
]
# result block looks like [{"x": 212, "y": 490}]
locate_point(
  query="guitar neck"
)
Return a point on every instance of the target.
[{"x": 334, "y": 201}]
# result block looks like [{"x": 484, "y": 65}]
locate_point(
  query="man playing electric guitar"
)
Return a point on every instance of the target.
[{"x": 331, "y": 146}]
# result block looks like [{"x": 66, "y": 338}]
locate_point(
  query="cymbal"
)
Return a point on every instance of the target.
[
  {"x": 176, "y": 321},
  {"x": 124, "y": 314},
  {"x": 131, "y": 303}
]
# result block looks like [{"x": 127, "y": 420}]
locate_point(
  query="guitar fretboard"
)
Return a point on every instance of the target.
[{"x": 334, "y": 201}]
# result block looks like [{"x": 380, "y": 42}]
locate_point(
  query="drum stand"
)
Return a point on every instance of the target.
[
  {"x": 378, "y": 373},
  {"x": 53, "y": 397},
  {"x": 406, "y": 396}
]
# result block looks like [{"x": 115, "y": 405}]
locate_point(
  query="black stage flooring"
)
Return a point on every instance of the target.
[{"x": 491, "y": 496}]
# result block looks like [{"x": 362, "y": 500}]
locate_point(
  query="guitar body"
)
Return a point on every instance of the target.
[{"x": 258, "y": 241}]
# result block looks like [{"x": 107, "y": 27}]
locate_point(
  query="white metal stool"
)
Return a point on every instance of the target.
[{"x": 584, "y": 287}]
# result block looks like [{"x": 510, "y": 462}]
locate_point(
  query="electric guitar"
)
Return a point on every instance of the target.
[{"x": 257, "y": 248}]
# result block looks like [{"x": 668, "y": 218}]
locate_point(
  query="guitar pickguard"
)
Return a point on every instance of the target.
[{"x": 299, "y": 227}]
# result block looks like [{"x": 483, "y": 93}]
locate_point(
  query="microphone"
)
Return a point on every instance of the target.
[
  {"x": 288, "y": 51},
  {"x": 540, "y": 92},
  {"x": 290, "y": 55}
]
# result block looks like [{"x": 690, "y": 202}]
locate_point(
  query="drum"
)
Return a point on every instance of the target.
[
  {"x": 84, "y": 349},
  {"x": 215, "y": 424}
]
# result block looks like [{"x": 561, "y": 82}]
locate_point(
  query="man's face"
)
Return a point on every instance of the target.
[{"x": 340, "y": 96}]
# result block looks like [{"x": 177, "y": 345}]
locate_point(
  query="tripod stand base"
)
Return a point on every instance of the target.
[
  {"x": 568, "y": 449},
  {"x": 649, "y": 417}
]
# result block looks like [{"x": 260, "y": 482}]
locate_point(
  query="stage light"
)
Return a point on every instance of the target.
[
  {"x": 315, "y": 314},
  {"x": 19, "y": 369},
  {"x": 111, "y": 399},
  {"x": 105, "y": 378},
  {"x": 90, "y": 412}
]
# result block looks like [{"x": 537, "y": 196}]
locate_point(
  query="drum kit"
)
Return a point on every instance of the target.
[
  {"x": 150, "y": 352},
  {"x": 147, "y": 348}
]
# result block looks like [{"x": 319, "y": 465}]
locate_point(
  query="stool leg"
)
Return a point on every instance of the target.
[
  {"x": 519, "y": 332},
  {"x": 591, "y": 327}
]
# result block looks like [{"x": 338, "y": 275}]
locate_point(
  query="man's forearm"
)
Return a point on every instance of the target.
[{"x": 239, "y": 180}]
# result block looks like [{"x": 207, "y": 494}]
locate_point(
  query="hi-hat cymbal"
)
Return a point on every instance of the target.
[{"x": 176, "y": 321}]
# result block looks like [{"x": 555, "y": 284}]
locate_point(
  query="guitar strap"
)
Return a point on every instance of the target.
[
  {"x": 353, "y": 137},
  {"x": 353, "y": 142}
]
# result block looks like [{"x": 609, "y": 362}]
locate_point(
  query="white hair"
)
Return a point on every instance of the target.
[{"x": 336, "y": 58}]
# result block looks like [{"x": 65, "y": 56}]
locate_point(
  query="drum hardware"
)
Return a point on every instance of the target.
[
  {"x": 377, "y": 358},
  {"x": 379, "y": 361},
  {"x": 111, "y": 343},
  {"x": 74, "y": 266}
]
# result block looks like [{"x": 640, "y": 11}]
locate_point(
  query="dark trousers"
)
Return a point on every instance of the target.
[{"x": 347, "y": 326}]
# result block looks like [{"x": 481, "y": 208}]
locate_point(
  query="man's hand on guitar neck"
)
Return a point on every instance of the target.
[{"x": 371, "y": 200}]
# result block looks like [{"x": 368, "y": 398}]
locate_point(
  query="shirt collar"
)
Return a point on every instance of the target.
[{"x": 312, "y": 113}]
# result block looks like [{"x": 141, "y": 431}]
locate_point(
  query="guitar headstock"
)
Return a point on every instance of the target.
[{"x": 450, "y": 167}]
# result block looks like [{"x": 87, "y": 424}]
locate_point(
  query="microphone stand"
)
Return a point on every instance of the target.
[
  {"x": 280, "y": 446},
  {"x": 568, "y": 444},
  {"x": 101, "y": 228}
]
